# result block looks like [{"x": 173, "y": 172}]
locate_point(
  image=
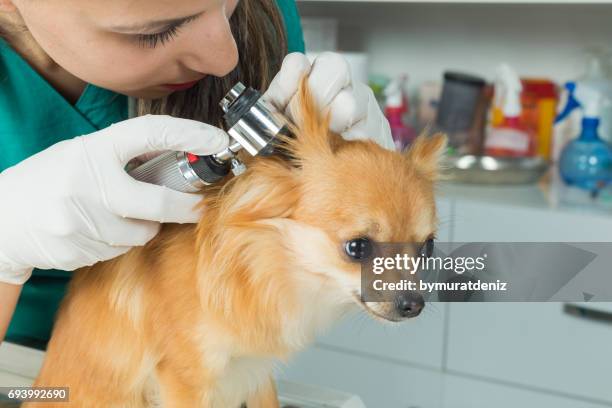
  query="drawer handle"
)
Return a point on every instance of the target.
[{"x": 588, "y": 313}]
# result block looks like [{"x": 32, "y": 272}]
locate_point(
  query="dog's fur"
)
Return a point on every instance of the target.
[{"x": 199, "y": 315}]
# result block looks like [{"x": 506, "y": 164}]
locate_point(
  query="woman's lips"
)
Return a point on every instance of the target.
[{"x": 181, "y": 87}]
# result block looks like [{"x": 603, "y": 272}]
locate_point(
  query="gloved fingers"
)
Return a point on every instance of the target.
[
  {"x": 349, "y": 107},
  {"x": 81, "y": 250},
  {"x": 15, "y": 277},
  {"x": 130, "y": 232},
  {"x": 285, "y": 84},
  {"x": 373, "y": 126},
  {"x": 380, "y": 132},
  {"x": 154, "y": 203},
  {"x": 114, "y": 230},
  {"x": 108, "y": 227},
  {"x": 151, "y": 133},
  {"x": 387, "y": 139},
  {"x": 148, "y": 156},
  {"x": 86, "y": 251},
  {"x": 330, "y": 74},
  {"x": 185, "y": 135}
]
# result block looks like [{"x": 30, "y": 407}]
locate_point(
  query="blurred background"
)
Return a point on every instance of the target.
[{"x": 524, "y": 91}]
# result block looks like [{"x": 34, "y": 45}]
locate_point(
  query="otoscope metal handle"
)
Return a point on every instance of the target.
[{"x": 169, "y": 169}]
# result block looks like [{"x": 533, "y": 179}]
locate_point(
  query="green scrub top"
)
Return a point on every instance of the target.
[{"x": 33, "y": 116}]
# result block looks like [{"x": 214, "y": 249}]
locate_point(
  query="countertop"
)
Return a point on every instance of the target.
[{"x": 549, "y": 194}]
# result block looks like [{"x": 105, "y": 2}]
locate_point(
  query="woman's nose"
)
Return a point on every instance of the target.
[{"x": 211, "y": 48}]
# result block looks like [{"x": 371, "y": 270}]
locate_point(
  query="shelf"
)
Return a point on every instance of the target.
[{"x": 426, "y": 39}]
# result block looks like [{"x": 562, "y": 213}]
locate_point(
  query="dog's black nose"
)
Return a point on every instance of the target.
[{"x": 409, "y": 304}]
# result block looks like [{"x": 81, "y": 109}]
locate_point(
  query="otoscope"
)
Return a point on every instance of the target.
[{"x": 253, "y": 125}]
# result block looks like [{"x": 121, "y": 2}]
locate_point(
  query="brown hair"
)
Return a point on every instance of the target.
[{"x": 259, "y": 32}]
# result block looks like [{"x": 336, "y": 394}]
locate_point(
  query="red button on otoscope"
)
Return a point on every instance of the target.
[{"x": 192, "y": 158}]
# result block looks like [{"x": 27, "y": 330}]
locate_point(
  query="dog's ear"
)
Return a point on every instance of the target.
[
  {"x": 313, "y": 139},
  {"x": 425, "y": 154}
]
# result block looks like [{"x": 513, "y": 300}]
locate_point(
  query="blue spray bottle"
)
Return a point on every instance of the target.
[{"x": 586, "y": 162}]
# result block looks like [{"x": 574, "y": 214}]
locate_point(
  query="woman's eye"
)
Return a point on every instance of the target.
[
  {"x": 358, "y": 248},
  {"x": 427, "y": 248},
  {"x": 151, "y": 40}
]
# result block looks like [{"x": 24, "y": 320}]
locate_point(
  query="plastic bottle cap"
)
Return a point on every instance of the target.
[
  {"x": 590, "y": 99},
  {"x": 510, "y": 81},
  {"x": 393, "y": 95}
]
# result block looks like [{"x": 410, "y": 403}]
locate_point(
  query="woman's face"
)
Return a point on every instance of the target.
[{"x": 141, "y": 48}]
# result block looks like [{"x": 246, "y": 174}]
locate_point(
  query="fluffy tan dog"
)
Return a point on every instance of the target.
[{"x": 199, "y": 316}]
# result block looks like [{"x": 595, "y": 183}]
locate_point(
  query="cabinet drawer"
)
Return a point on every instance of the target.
[
  {"x": 460, "y": 392},
  {"x": 380, "y": 384},
  {"x": 536, "y": 345}
]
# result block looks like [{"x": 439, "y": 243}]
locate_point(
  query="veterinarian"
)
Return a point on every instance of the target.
[{"x": 73, "y": 72}]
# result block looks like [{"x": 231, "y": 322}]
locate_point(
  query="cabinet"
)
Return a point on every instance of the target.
[
  {"x": 532, "y": 345},
  {"x": 465, "y": 392},
  {"x": 381, "y": 383}
]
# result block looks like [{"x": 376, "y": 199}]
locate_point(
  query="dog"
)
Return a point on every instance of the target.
[{"x": 200, "y": 315}]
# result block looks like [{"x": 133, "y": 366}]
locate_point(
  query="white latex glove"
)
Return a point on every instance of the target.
[
  {"x": 355, "y": 113},
  {"x": 73, "y": 204}
]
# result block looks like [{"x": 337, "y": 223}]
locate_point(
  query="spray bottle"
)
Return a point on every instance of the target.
[
  {"x": 586, "y": 162},
  {"x": 396, "y": 106},
  {"x": 509, "y": 138}
]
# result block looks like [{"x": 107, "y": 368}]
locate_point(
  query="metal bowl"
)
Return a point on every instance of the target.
[{"x": 495, "y": 170}]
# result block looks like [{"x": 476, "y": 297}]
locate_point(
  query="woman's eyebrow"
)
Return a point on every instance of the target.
[{"x": 155, "y": 25}]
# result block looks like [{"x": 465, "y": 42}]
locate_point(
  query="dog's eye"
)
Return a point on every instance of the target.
[
  {"x": 427, "y": 248},
  {"x": 358, "y": 248}
]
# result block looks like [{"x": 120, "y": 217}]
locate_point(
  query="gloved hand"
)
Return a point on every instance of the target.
[
  {"x": 355, "y": 113},
  {"x": 73, "y": 204}
]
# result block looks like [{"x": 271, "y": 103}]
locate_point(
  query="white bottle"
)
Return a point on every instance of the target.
[{"x": 511, "y": 138}]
